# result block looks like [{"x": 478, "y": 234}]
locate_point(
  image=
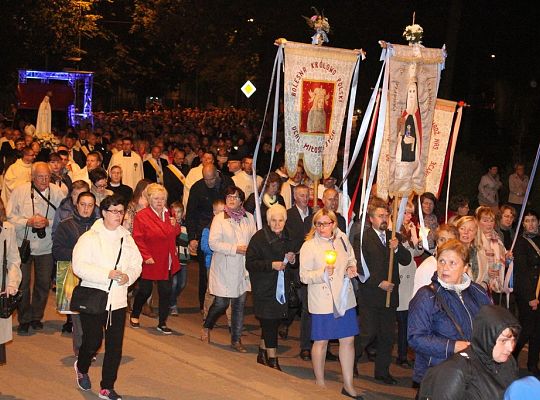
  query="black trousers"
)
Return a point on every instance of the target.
[
  {"x": 203, "y": 278},
  {"x": 379, "y": 324},
  {"x": 269, "y": 332},
  {"x": 143, "y": 293},
  {"x": 530, "y": 332},
  {"x": 94, "y": 327}
]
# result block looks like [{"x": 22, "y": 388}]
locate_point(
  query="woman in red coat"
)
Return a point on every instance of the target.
[{"x": 155, "y": 230}]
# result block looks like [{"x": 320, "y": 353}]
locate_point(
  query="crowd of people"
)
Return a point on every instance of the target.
[{"x": 129, "y": 202}]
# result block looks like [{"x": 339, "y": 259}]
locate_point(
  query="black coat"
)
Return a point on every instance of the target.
[
  {"x": 377, "y": 259},
  {"x": 527, "y": 268},
  {"x": 124, "y": 191},
  {"x": 264, "y": 247},
  {"x": 67, "y": 234},
  {"x": 199, "y": 212}
]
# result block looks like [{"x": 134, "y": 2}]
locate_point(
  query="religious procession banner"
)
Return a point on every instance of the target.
[
  {"x": 317, "y": 83},
  {"x": 414, "y": 74},
  {"x": 441, "y": 131}
]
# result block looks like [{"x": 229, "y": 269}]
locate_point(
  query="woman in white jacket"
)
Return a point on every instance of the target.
[
  {"x": 327, "y": 266},
  {"x": 13, "y": 278},
  {"x": 230, "y": 233},
  {"x": 94, "y": 260}
]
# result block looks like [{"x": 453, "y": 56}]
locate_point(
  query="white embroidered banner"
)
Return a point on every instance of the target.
[
  {"x": 438, "y": 145},
  {"x": 412, "y": 92},
  {"x": 316, "y": 90}
]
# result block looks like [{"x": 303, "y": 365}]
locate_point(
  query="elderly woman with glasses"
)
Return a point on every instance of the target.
[
  {"x": 268, "y": 258},
  {"x": 327, "y": 267},
  {"x": 155, "y": 229},
  {"x": 105, "y": 258},
  {"x": 230, "y": 233}
]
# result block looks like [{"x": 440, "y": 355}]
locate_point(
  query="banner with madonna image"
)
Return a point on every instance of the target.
[
  {"x": 317, "y": 85},
  {"x": 414, "y": 74}
]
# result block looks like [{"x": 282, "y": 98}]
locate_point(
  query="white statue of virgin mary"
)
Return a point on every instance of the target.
[{"x": 43, "y": 125}]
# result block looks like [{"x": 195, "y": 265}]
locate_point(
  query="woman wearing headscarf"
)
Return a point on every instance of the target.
[
  {"x": 484, "y": 369},
  {"x": 526, "y": 276}
]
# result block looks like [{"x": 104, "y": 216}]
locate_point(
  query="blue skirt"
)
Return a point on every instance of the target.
[{"x": 326, "y": 327}]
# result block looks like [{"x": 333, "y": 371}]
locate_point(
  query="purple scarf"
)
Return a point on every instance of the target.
[{"x": 236, "y": 215}]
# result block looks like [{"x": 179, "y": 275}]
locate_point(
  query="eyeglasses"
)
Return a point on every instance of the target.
[
  {"x": 115, "y": 212},
  {"x": 323, "y": 224},
  {"x": 233, "y": 197},
  {"x": 101, "y": 186}
]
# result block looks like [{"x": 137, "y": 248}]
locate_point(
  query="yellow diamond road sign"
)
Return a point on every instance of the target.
[{"x": 248, "y": 89}]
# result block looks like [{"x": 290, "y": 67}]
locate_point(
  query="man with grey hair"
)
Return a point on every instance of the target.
[{"x": 31, "y": 210}]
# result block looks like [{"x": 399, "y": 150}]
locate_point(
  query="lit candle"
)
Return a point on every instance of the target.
[{"x": 330, "y": 257}]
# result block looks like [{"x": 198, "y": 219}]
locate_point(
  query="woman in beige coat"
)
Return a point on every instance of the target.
[
  {"x": 14, "y": 276},
  {"x": 327, "y": 266}
]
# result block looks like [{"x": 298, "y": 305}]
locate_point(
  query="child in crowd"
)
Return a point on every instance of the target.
[
  {"x": 217, "y": 207},
  {"x": 179, "y": 280}
]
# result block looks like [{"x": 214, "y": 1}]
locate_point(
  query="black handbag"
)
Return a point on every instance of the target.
[
  {"x": 88, "y": 300},
  {"x": 8, "y": 304},
  {"x": 293, "y": 300},
  {"x": 24, "y": 250}
]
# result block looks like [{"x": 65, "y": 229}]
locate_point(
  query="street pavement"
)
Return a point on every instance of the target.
[{"x": 180, "y": 366}]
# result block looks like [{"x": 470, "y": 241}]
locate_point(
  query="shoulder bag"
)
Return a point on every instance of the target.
[
  {"x": 8, "y": 304},
  {"x": 88, "y": 300},
  {"x": 24, "y": 250}
]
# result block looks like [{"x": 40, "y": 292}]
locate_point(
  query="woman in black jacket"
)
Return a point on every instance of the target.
[
  {"x": 65, "y": 238},
  {"x": 267, "y": 259},
  {"x": 526, "y": 276},
  {"x": 484, "y": 369}
]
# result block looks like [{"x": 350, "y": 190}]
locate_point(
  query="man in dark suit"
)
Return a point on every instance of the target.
[
  {"x": 174, "y": 176},
  {"x": 75, "y": 155},
  {"x": 296, "y": 215},
  {"x": 376, "y": 319},
  {"x": 153, "y": 167}
]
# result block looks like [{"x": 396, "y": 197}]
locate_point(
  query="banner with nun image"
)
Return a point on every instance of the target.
[
  {"x": 414, "y": 74},
  {"x": 317, "y": 83}
]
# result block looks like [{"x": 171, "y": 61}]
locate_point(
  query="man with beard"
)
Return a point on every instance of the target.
[{"x": 376, "y": 319}]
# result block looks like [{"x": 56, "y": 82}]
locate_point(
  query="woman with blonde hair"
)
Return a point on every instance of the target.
[
  {"x": 327, "y": 267},
  {"x": 468, "y": 228},
  {"x": 491, "y": 251},
  {"x": 154, "y": 230}
]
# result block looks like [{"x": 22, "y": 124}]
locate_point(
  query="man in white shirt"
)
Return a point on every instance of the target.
[
  {"x": 31, "y": 209},
  {"x": 288, "y": 187},
  {"x": 244, "y": 178},
  {"x": 130, "y": 162},
  {"x": 18, "y": 173}
]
